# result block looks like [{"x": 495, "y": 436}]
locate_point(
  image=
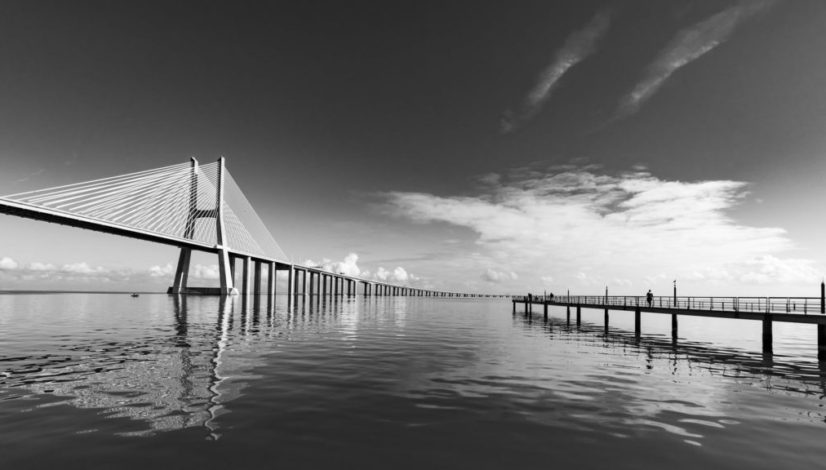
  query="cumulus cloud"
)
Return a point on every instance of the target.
[
  {"x": 687, "y": 46},
  {"x": 210, "y": 271},
  {"x": 349, "y": 266},
  {"x": 492, "y": 275},
  {"x": 38, "y": 266},
  {"x": 593, "y": 228},
  {"x": 577, "y": 47},
  {"x": 81, "y": 268},
  {"x": 162, "y": 271},
  {"x": 8, "y": 264}
]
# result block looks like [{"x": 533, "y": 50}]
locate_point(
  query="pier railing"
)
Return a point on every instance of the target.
[{"x": 801, "y": 305}]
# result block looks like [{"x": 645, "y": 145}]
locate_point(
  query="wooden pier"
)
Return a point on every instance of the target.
[{"x": 810, "y": 310}]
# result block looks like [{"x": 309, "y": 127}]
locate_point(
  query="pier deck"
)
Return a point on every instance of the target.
[{"x": 806, "y": 310}]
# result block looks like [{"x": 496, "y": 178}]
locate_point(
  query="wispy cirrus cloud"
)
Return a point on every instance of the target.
[
  {"x": 578, "y": 227},
  {"x": 687, "y": 46},
  {"x": 577, "y": 47}
]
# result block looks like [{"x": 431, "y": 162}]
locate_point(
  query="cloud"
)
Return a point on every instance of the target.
[
  {"x": 687, "y": 46},
  {"x": 165, "y": 271},
  {"x": 349, "y": 266},
  {"x": 585, "y": 228},
  {"x": 8, "y": 264},
  {"x": 29, "y": 176},
  {"x": 206, "y": 271},
  {"x": 82, "y": 268},
  {"x": 577, "y": 47},
  {"x": 37, "y": 266},
  {"x": 492, "y": 275}
]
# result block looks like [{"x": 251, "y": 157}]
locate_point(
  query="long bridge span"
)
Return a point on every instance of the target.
[{"x": 196, "y": 207}]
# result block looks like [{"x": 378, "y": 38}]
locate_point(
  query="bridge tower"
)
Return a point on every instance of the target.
[{"x": 179, "y": 285}]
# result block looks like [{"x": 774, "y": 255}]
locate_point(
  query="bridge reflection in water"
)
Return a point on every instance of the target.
[{"x": 184, "y": 380}]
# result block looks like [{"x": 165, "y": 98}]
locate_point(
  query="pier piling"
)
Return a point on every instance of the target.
[
  {"x": 637, "y": 322},
  {"x": 767, "y": 333}
]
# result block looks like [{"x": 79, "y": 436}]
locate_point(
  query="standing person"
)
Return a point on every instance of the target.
[
  {"x": 530, "y": 297},
  {"x": 649, "y": 297}
]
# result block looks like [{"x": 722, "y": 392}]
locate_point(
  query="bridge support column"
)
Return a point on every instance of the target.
[
  {"x": 245, "y": 273},
  {"x": 182, "y": 272},
  {"x": 637, "y": 322},
  {"x": 545, "y": 310},
  {"x": 290, "y": 292},
  {"x": 568, "y": 314},
  {"x": 312, "y": 284},
  {"x": 767, "y": 333},
  {"x": 256, "y": 285},
  {"x": 271, "y": 282},
  {"x": 578, "y": 316}
]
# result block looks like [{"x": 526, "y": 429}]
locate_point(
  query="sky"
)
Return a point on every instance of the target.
[{"x": 495, "y": 147}]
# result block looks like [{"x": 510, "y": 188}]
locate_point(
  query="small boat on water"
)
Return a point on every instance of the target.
[{"x": 135, "y": 294}]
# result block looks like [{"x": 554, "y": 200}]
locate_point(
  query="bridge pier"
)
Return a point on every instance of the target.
[
  {"x": 256, "y": 285},
  {"x": 182, "y": 272},
  {"x": 245, "y": 273},
  {"x": 271, "y": 282},
  {"x": 578, "y": 315},
  {"x": 290, "y": 287},
  {"x": 637, "y": 322},
  {"x": 545, "y": 311}
]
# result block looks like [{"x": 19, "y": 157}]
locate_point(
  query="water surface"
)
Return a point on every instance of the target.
[{"x": 105, "y": 381}]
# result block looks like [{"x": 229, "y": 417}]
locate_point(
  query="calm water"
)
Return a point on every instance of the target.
[{"x": 108, "y": 381}]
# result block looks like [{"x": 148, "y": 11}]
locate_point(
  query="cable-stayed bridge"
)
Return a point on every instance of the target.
[{"x": 194, "y": 207}]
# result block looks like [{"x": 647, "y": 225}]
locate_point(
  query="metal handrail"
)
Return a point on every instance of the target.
[{"x": 799, "y": 305}]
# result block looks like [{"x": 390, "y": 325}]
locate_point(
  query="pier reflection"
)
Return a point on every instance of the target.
[{"x": 774, "y": 372}]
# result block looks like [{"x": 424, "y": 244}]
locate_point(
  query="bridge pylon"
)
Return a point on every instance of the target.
[{"x": 179, "y": 285}]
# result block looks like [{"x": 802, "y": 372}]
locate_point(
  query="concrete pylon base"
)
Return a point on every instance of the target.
[{"x": 204, "y": 291}]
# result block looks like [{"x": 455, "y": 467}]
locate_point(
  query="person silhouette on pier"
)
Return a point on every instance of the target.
[
  {"x": 530, "y": 297},
  {"x": 649, "y": 297}
]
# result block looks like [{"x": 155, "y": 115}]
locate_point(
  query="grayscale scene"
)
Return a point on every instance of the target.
[{"x": 423, "y": 234}]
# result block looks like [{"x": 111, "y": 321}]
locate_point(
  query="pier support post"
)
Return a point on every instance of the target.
[
  {"x": 637, "y": 322},
  {"x": 514, "y": 306},
  {"x": 568, "y": 314},
  {"x": 578, "y": 315},
  {"x": 673, "y": 327},
  {"x": 606, "y": 320},
  {"x": 767, "y": 333},
  {"x": 821, "y": 342},
  {"x": 545, "y": 309},
  {"x": 821, "y": 329}
]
